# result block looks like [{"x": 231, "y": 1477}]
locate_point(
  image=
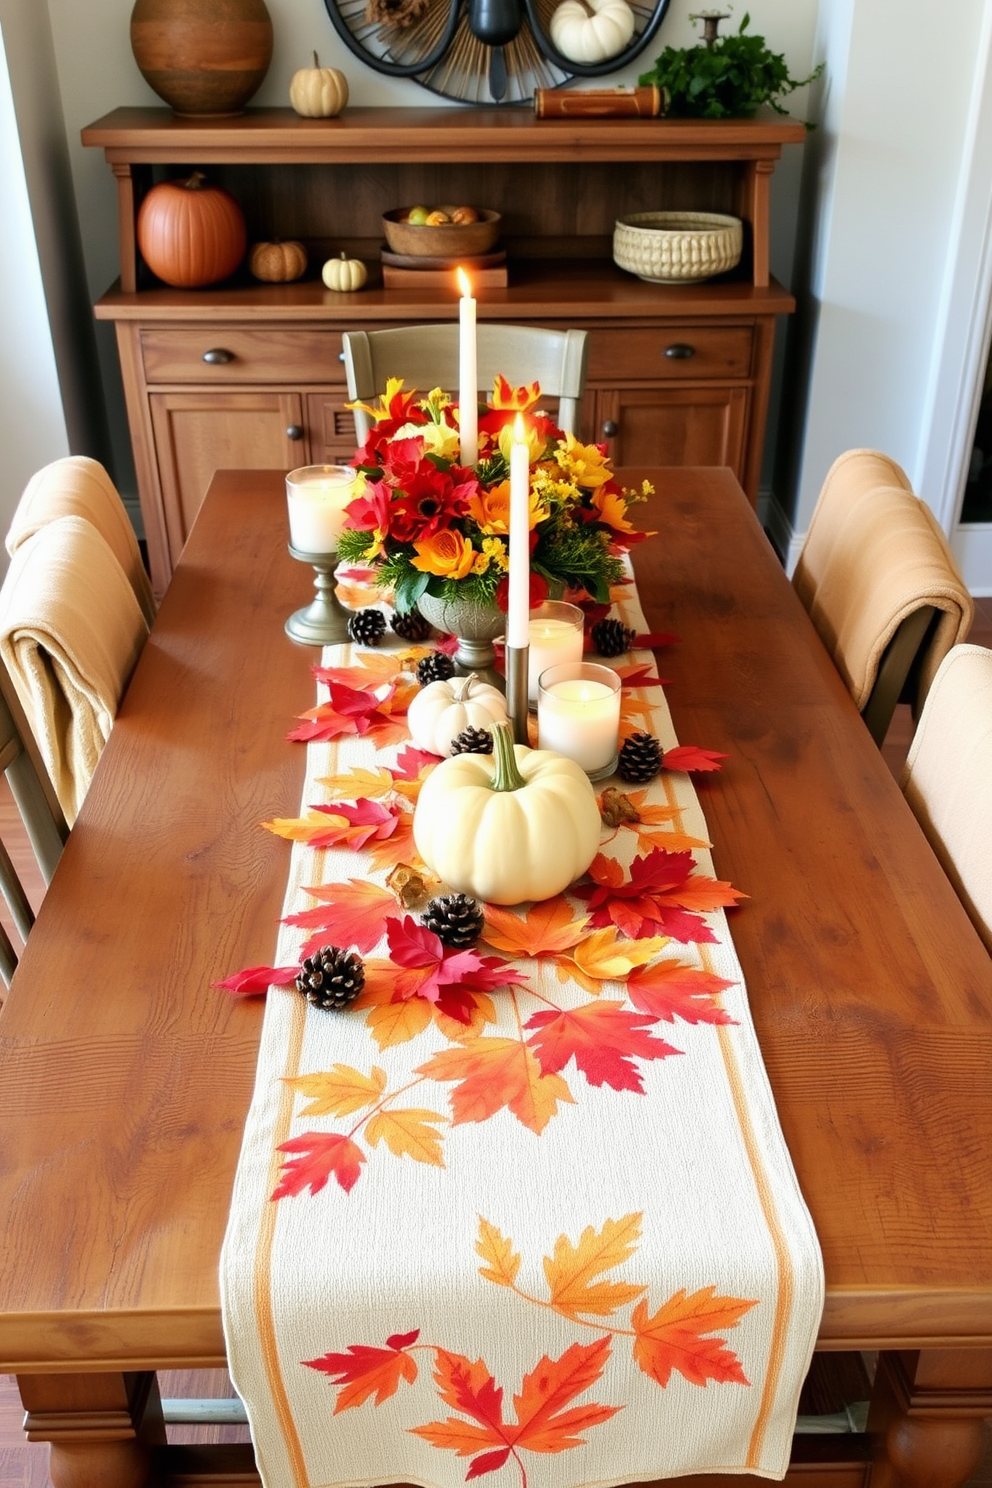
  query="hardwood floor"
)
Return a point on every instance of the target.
[{"x": 24, "y": 1465}]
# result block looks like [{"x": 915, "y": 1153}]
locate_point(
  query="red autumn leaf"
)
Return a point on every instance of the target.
[
  {"x": 348, "y": 711},
  {"x": 410, "y": 762},
  {"x": 650, "y": 640},
  {"x": 255, "y": 980},
  {"x": 689, "y": 757},
  {"x": 413, "y": 946},
  {"x": 674, "y": 1338},
  {"x": 670, "y": 990},
  {"x": 350, "y": 913},
  {"x": 542, "y": 1425},
  {"x": 363, "y": 821},
  {"x": 321, "y": 1156},
  {"x": 661, "y": 897},
  {"x": 366, "y": 1371},
  {"x": 603, "y": 1039}
]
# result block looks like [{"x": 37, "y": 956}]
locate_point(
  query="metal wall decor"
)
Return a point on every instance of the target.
[{"x": 476, "y": 51}]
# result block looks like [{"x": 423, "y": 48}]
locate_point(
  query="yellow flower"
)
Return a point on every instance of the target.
[
  {"x": 384, "y": 409},
  {"x": 480, "y": 563},
  {"x": 495, "y": 549},
  {"x": 491, "y": 509},
  {"x": 438, "y": 438},
  {"x": 505, "y": 395},
  {"x": 585, "y": 463},
  {"x": 612, "y": 508},
  {"x": 535, "y": 441},
  {"x": 446, "y": 554}
]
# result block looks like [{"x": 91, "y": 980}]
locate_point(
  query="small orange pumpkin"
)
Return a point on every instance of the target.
[
  {"x": 278, "y": 263},
  {"x": 191, "y": 234}
]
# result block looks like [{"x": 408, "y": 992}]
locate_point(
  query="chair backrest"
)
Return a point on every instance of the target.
[
  {"x": 881, "y": 585},
  {"x": 70, "y": 634},
  {"x": 40, "y": 812},
  {"x": 80, "y": 487},
  {"x": 426, "y": 357},
  {"x": 948, "y": 777}
]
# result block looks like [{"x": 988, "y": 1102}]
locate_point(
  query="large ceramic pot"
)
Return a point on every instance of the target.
[
  {"x": 476, "y": 626},
  {"x": 202, "y": 56}
]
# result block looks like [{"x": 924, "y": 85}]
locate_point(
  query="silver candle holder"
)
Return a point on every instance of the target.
[{"x": 324, "y": 622}]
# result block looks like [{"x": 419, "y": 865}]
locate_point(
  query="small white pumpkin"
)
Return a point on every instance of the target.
[
  {"x": 592, "y": 30},
  {"x": 318, "y": 92},
  {"x": 441, "y": 710},
  {"x": 344, "y": 274},
  {"x": 514, "y": 825}
]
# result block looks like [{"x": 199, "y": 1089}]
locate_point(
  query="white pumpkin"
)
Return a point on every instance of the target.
[
  {"x": 344, "y": 274},
  {"x": 592, "y": 32},
  {"x": 441, "y": 710},
  {"x": 318, "y": 92},
  {"x": 507, "y": 827}
]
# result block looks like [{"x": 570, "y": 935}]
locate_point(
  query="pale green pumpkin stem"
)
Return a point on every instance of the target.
[{"x": 507, "y": 776}]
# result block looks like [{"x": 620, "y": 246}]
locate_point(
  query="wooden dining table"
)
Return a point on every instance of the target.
[{"x": 125, "y": 1076}]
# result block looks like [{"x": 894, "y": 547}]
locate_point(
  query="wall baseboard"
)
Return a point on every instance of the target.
[{"x": 787, "y": 543}]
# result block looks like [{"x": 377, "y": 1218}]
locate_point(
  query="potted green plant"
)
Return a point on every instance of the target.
[{"x": 727, "y": 77}]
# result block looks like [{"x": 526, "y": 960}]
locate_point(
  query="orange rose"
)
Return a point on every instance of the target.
[
  {"x": 446, "y": 554},
  {"x": 491, "y": 509}
]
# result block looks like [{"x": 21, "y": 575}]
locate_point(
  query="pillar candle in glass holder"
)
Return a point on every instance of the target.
[
  {"x": 317, "y": 496},
  {"x": 555, "y": 636},
  {"x": 578, "y": 714},
  {"x": 518, "y": 597},
  {"x": 468, "y": 390}
]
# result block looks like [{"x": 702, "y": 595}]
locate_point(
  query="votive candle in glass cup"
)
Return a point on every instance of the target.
[
  {"x": 317, "y": 496},
  {"x": 578, "y": 715},
  {"x": 555, "y": 631}
]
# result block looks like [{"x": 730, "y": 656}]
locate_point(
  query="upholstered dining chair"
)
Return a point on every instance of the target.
[
  {"x": 947, "y": 779},
  {"x": 80, "y": 487},
  {"x": 427, "y": 357},
  {"x": 71, "y": 631},
  {"x": 881, "y": 585},
  {"x": 40, "y": 812}
]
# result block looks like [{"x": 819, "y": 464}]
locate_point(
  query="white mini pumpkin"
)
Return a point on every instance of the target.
[
  {"x": 441, "y": 710},
  {"x": 344, "y": 274},
  {"x": 318, "y": 92},
  {"x": 592, "y": 30}
]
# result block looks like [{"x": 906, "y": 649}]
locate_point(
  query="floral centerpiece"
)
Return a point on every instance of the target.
[{"x": 429, "y": 525}]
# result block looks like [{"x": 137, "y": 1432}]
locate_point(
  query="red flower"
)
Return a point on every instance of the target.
[
  {"x": 430, "y": 503},
  {"x": 370, "y": 511},
  {"x": 538, "y": 590}
]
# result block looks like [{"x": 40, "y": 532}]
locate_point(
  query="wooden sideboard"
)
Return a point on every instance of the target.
[{"x": 245, "y": 374}]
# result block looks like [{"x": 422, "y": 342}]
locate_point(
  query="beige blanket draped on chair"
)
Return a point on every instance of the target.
[{"x": 71, "y": 631}]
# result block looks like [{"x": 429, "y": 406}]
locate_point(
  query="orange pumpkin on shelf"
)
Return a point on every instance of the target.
[
  {"x": 278, "y": 262},
  {"x": 190, "y": 233}
]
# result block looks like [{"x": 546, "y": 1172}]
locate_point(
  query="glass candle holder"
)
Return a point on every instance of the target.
[
  {"x": 555, "y": 636},
  {"x": 578, "y": 715},
  {"x": 316, "y": 496}
]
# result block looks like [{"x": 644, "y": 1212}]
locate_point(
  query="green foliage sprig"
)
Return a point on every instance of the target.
[{"x": 729, "y": 80}]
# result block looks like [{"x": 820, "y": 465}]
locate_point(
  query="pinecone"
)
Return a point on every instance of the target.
[
  {"x": 640, "y": 758},
  {"x": 455, "y": 919},
  {"x": 611, "y": 637},
  {"x": 331, "y": 978},
  {"x": 412, "y": 626},
  {"x": 367, "y": 627},
  {"x": 435, "y": 668},
  {"x": 472, "y": 741}
]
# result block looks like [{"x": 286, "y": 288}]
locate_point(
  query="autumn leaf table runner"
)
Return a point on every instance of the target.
[{"x": 523, "y": 1212}]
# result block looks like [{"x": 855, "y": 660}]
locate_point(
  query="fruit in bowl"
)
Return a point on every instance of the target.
[{"x": 444, "y": 231}]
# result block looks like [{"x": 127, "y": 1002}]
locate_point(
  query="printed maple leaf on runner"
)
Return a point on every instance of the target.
[
  {"x": 662, "y": 895},
  {"x": 675, "y": 1338},
  {"x": 365, "y": 1371},
  {"x": 603, "y": 1039}
]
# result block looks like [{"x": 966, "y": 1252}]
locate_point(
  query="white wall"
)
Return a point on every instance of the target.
[{"x": 881, "y": 187}]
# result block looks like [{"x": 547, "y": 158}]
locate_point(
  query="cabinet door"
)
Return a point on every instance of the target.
[
  {"x": 331, "y": 427},
  {"x": 675, "y": 426},
  {"x": 200, "y": 432}
]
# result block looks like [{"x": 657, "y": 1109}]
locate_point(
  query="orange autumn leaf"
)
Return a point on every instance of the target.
[
  {"x": 502, "y": 1261},
  {"x": 398, "y": 1022},
  {"x": 385, "y": 730},
  {"x": 355, "y": 784},
  {"x": 674, "y": 1338},
  {"x": 490, "y": 1074},
  {"x": 671, "y": 839},
  {"x": 671, "y": 989},
  {"x": 353, "y": 912},
  {"x": 375, "y": 668},
  {"x": 546, "y": 928},
  {"x": 604, "y": 1038},
  {"x": 339, "y": 1091},
  {"x": 365, "y": 1371},
  {"x": 480, "y": 1013},
  {"x": 387, "y": 852},
  {"x": 571, "y": 1269},
  {"x": 304, "y": 828},
  {"x": 605, "y": 958},
  {"x": 408, "y": 1133}
]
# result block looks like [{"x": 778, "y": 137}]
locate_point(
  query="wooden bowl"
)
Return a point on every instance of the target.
[{"x": 449, "y": 240}]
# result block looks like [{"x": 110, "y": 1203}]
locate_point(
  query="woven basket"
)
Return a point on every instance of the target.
[{"x": 677, "y": 247}]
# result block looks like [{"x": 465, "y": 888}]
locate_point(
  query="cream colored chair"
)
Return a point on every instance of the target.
[
  {"x": 426, "y": 357},
  {"x": 881, "y": 585},
  {"x": 71, "y": 631},
  {"x": 80, "y": 487},
  {"x": 948, "y": 777},
  {"x": 40, "y": 812}
]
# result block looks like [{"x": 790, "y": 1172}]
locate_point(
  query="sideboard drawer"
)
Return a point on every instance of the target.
[
  {"x": 233, "y": 354},
  {"x": 677, "y": 352}
]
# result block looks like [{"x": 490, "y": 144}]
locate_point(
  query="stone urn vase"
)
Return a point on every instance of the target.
[
  {"x": 204, "y": 57},
  {"x": 476, "y": 626}
]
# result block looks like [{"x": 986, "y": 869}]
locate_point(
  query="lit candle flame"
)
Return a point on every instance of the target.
[
  {"x": 464, "y": 283},
  {"x": 519, "y": 431}
]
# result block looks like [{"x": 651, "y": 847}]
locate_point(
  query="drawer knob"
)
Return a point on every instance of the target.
[
  {"x": 680, "y": 351},
  {"x": 610, "y": 428},
  {"x": 294, "y": 431},
  {"x": 217, "y": 356}
]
